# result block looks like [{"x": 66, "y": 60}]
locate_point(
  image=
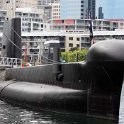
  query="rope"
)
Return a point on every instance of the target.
[
  {"x": 26, "y": 44},
  {"x": 12, "y": 42}
]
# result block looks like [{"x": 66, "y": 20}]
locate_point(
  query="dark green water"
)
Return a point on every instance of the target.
[{"x": 10, "y": 114}]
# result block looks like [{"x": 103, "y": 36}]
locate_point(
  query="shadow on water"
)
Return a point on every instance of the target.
[{"x": 11, "y": 114}]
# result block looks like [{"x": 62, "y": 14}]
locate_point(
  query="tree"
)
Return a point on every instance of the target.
[{"x": 74, "y": 56}]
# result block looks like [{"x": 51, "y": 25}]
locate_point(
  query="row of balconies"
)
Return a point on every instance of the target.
[
  {"x": 85, "y": 24},
  {"x": 27, "y": 15}
]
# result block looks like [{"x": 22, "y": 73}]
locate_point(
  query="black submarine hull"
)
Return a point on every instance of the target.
[
  {"x": 42, "y": 96},
  {"x": 92, "y": 87}
]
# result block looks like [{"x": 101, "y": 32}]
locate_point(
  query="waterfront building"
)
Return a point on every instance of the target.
[
  {"x": 82, "y": 40},
  {"x": 73, "y": 9},
  {"x": 33, "y": 41},
  {"x": 31, "y": 19},
  {"x": 82, "y": 25},
  {"x": 92, "y": 8},
  {"x": 100, "y": 13}
]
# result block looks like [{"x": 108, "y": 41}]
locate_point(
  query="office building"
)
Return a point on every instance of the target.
[
  {"x": 113, "y": 9},
  {"x": 92, "y": 8},
  {"x": 100, "y": 13},
  {"x": 73, "y": 9}
]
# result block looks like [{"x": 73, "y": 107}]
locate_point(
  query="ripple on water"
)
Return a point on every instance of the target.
[{"x": 15, "y": 115}]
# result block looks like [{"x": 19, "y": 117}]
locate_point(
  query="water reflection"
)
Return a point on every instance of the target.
[{"x": 15, "y": 115}]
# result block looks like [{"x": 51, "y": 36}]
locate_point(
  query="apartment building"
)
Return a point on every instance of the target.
[
  {"x": 25, "y": 3},
  {"x": 18, "y": 3},
  {"x": 56, "y": 11},
  {"x": 2, "y": 4},
  {"x": 41, "y": 3},
  {"x": 31, "y": 19},
  {"x": 82, "y": 25}
]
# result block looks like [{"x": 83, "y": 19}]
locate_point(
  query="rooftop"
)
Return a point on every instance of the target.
[{"x": 85, "y": 34}]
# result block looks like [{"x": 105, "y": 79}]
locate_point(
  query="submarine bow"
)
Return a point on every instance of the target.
[{"x": 92, "y": 87}]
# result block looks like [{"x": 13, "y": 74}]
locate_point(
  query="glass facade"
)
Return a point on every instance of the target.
[
  {"x": 112, "y": 9},
  {"x": 73, "y": 9},
  {"x": 92, "y": 8}
]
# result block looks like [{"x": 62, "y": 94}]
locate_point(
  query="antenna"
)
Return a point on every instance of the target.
[{"x": 91, "y": 29}]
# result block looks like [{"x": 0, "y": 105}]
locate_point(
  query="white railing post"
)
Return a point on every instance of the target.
[{"x": 12, "y": 62}]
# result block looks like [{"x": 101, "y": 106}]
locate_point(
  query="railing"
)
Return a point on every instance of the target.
[{"x": 10, "y": 62}]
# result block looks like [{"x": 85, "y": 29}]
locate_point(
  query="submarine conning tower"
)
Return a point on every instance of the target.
[
  {"x": 106, "y": 51},
  {"x": 105, "y": 62}
]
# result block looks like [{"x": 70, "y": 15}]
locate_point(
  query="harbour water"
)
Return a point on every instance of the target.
[{"x": 11, "y": 114}]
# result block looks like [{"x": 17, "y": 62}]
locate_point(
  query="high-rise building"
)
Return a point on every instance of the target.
[
  {"x": 26, "y": 3},
  {"x": 47, "y": 12},
  {"x": 113, "y": 9},
  {"x": 73, "y": 9},
  {"x": 92, "y": 8},
  {"x": 3, "y": 4},
  {"x": 47, "y": 5},
  {"x": 100, "y": 13},
  {"x": 42, "y": 3},
  {"x": 56, "y": 11},
  {"x": 18, "y": 3}
]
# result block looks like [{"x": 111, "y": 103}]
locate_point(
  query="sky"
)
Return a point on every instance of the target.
[{"x": 112, "y": 9}]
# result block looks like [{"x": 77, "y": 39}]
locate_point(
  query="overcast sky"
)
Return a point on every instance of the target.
[{"x": 112, "y": 8}]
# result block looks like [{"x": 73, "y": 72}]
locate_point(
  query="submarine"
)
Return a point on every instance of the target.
[{"x": 92, "y": 87}]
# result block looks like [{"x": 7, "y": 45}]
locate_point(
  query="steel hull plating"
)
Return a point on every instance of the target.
[{"x": 92, "y": 87}]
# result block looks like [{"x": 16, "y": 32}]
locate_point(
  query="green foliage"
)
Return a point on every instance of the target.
[{"x": 74, "y": 56}]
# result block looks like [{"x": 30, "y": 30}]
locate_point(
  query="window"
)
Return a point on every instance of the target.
[
  {"x": 70, "y": 44},
  {"x": 4, "y": 47},
  {"x": 70, "y": 38},
  {"x": 78, "y": 45},
  {"x": 78, "y": 39}
]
